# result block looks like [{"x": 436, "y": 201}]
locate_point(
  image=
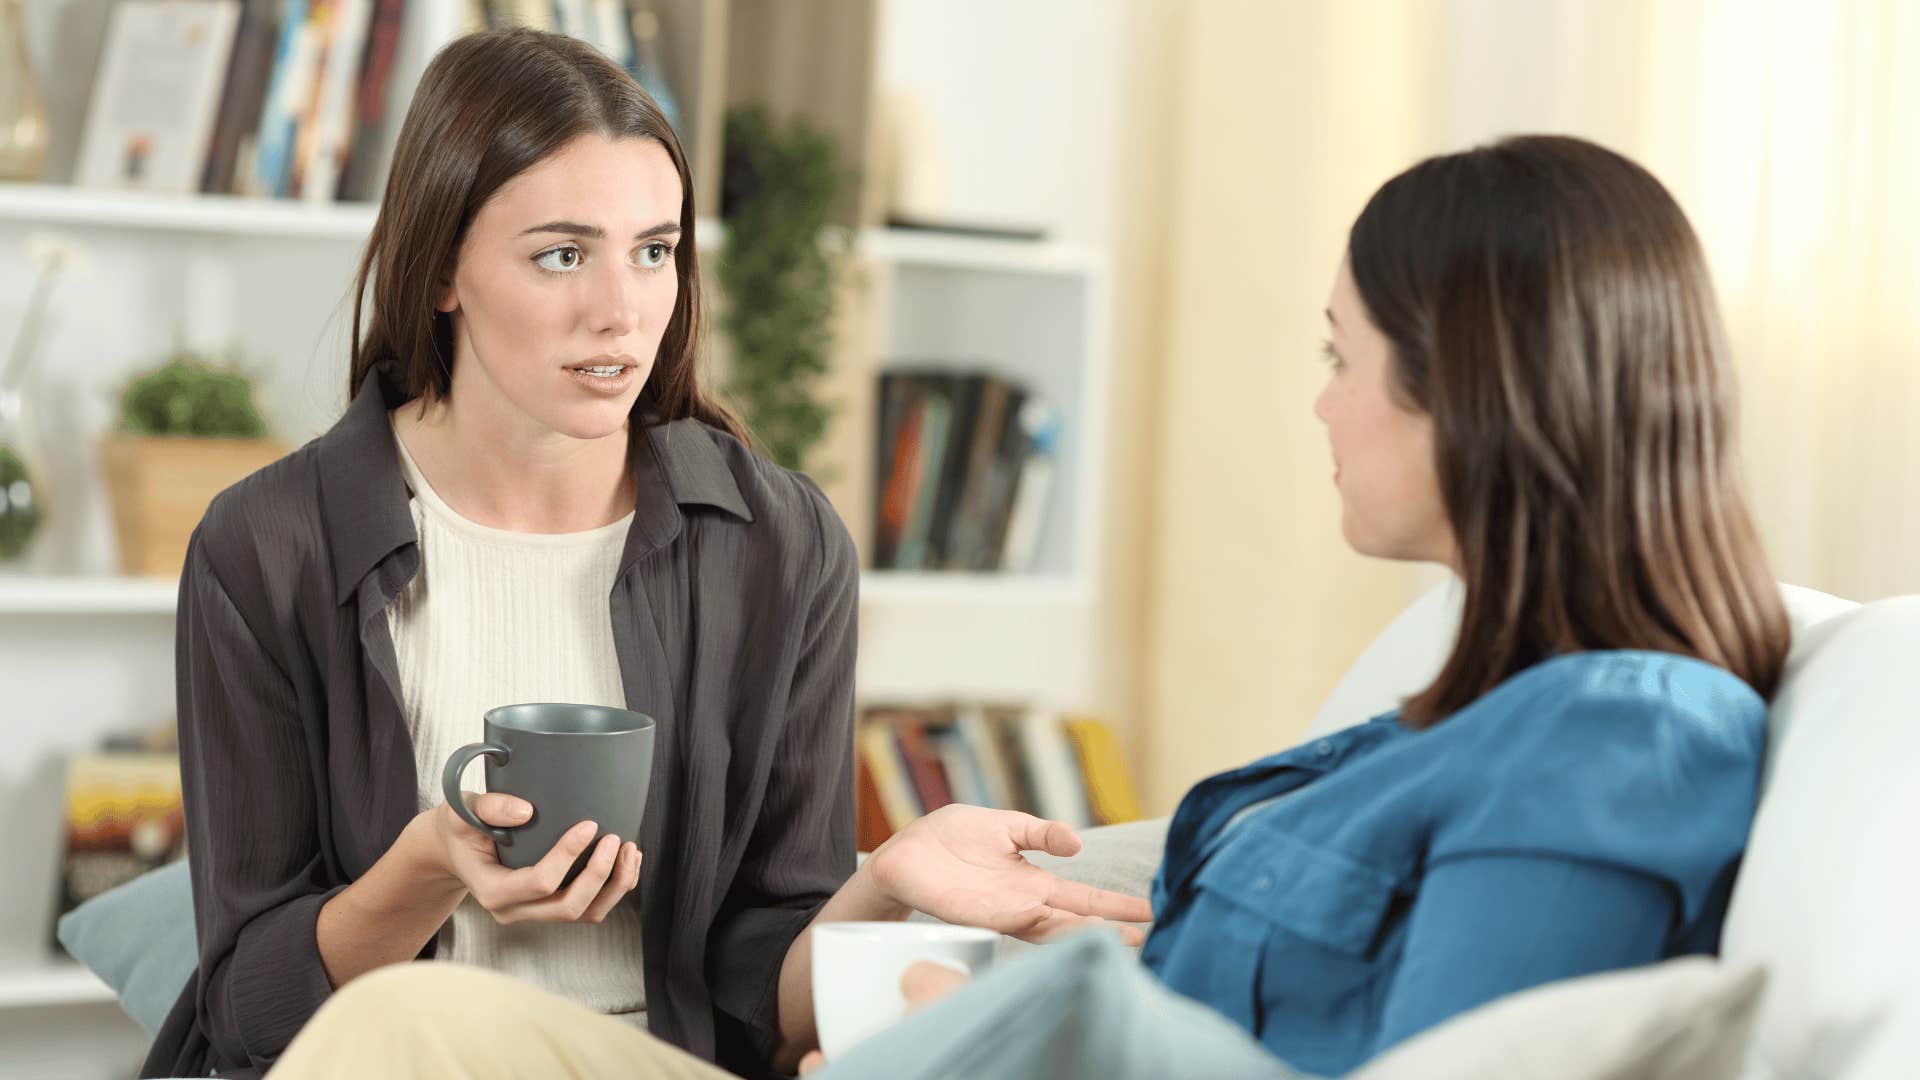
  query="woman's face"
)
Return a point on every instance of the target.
[
  {"x": 1382, "y": 451},
  {"x": 563, "y": 287}
]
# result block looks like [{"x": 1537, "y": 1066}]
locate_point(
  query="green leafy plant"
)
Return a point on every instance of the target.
[
  {"x": 776, "y": 271},
  {"x": 190, "y": 394}
]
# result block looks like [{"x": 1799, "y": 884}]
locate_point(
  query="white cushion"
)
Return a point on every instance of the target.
[
  {"x": 1828, "y": 895},
  {"x": 1685, "y": 1019},
  {"x": 1409, "y": 652}
]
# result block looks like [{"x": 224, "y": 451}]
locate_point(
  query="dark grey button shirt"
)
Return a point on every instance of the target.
[{"x": 734, "y": 614}]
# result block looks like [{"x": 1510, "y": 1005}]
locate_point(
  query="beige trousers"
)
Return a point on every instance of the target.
[{"x": 442, "y": 1020}]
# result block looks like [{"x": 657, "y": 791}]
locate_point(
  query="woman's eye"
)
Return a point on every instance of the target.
[
  {"x": 560, "y": 259},
  {"x": 1326, "y": 353},
  {"x": 653, "y": 255}
]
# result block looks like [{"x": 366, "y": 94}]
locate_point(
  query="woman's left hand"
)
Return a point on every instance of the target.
[{"x": 962, "y": 864}]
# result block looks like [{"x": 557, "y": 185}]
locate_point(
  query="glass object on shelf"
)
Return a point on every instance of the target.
[
  {"x": 23, "y": 503},
  {"x": 23, "y": 115}
]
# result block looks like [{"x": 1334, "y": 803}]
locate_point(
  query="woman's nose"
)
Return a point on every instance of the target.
[{"x": 610, "y": 303}]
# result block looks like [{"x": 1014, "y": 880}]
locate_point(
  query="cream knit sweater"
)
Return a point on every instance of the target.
[{"x": 494, "y": 618}]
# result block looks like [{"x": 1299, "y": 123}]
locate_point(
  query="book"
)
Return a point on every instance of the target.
[
  {"x": 915, "y": 543},
  {"x": 977, "y": 733},
  {"x": 327, "y": 132},
  {"x": 264, "y": 166},
  {"x": 882, "y": 755},
  {"x": 964, "y": 778},
  {"x": 157, "y": 95},
  {"x": 924, "y": 767},
  {"x": 963, "y": 395},
  {"x": 902, "y": 490},
  {"x": 370, "y": 152},
  {"x": 1004, "y": 724},
  {"x": 248, "y": 69},
  {"x": 1002, "y": 482},
  {"x": 1110, "y": 792},
  {"x": 123, "y": 817},
  {"x": 967, "y": 545},
  {"x": 869, "y": 815},
  {"x": 1058, "y": 791},
  {"x": 1019, "y": 547}
]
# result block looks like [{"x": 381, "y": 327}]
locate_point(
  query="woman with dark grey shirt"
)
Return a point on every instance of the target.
[{"x": 531, "y": 498}]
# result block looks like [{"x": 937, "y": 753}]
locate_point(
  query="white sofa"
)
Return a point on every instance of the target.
[{"x": 1828, "y": 899}]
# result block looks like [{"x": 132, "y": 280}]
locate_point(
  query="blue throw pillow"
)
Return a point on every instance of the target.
[{"x": 140, "y": 940}]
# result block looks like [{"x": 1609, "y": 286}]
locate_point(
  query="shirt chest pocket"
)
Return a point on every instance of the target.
[{"x": 1299, "y": 925}]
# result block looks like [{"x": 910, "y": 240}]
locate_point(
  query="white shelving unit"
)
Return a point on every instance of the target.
[{"x": 85, "y": 652}]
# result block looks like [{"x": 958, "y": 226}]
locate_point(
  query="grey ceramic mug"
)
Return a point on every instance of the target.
[{"x": 574, "y": 763}]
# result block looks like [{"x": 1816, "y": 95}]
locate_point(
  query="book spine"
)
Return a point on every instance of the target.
[
  {"x": 965, "y": 405},
  {"x": 903, "y": 482},
  {"x": 1021, "y": 545},
  {"x": 247, "y": 70},
  {"x": 334, "y": 113},
  {"x": 915, "y": 542},
  {"x": 882, "y": 755},
  {"x": 363, "y": 177}
]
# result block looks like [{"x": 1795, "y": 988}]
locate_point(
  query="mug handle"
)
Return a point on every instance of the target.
[{"x": 450, "y": 785}]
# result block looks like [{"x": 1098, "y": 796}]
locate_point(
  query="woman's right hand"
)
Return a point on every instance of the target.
[{"x": 533, "y": 893}]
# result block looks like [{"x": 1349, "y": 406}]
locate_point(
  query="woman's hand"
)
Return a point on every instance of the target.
[
  {"x": 962, "y": 864},
  {"x": 922, "y": 984},
  {"x": 533, "y": 893}
]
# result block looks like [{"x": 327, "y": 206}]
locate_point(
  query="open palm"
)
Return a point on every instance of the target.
[{"x": 962, "y": 864}]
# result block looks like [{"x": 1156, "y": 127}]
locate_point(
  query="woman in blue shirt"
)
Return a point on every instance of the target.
[{"x": 1529, "y": 383}]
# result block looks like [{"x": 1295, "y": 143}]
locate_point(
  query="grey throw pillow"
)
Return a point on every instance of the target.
[{"x": 140, "y": 940}]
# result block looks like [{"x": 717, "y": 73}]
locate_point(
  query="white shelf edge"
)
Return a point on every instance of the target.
[
  {"x": 240, "y": 215},
  {"x": 910, "y": 247},
  {"x": 50, "y": 982},
  {"x": 24, "y": 594},
  {"x": 243, "y": 216}
]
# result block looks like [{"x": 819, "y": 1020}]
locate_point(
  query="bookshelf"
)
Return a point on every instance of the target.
[{"x": 87, "y": 652}]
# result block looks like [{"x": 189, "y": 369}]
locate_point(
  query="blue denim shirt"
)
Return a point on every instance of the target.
[{"x": 1586, "y": 814}]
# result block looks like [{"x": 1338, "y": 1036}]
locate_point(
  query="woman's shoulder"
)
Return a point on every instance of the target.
[
  {"x": 1628, "y": 688},
  {"x": 264, "y": 528},
  {"x": 1643, "y": 760},
  {"x": 788, "y": 504}
]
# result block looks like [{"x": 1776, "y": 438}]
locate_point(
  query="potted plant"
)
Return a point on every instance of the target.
[
  {"x": 776, "y": 274},
  {"x": 188, "y": 429}
]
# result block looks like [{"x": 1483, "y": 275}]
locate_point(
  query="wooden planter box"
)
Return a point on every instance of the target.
[{"x": 160, "y": 487}]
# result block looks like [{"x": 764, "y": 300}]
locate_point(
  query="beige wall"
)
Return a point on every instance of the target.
[{"x": 1286, "y": 117}]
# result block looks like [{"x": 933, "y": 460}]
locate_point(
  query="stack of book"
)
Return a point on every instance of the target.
[
  {"x": 965, "y": 461},
  {"x": 282, "y": 98},
  {"x": 124, "y": 816},
  {"x": 909, "y": 761}
]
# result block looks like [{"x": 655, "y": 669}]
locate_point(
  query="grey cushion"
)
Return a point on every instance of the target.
[{"x": 139, "y": 939}]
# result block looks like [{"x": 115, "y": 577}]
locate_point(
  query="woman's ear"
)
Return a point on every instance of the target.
[{"x": 449, "y": 300}]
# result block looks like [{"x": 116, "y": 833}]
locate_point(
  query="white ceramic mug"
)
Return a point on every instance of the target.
[{"x": 857, "y": 968}]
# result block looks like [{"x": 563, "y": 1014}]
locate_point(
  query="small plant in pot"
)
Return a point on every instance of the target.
[{"x": 188, "y": 429}]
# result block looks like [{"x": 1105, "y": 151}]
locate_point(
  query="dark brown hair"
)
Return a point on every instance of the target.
[
  {"x": 489, "y": 107},
  {"x": 1549, "y": 307}
]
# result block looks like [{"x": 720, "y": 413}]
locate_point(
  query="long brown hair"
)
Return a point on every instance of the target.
[
  {"x": 1549, "y": 307},
  {"x": 490, "y": 106}
]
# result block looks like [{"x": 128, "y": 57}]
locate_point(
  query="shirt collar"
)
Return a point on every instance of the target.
[{"x": 364, "y": 498}]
